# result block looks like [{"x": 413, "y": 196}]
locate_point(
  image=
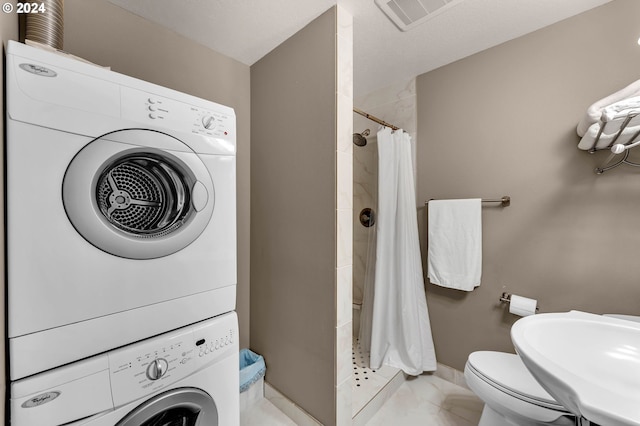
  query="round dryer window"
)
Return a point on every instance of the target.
[{"x": 139, "y": 194}]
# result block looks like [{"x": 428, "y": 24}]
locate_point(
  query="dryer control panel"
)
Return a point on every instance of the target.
[
  {"x": 153, "y": 364},
  {"x": 158, "y": 110}
]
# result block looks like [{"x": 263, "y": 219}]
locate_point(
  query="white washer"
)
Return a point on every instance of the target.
[
  {"x": 187, "y": 377},
  {"x": 121, "y": 209}
]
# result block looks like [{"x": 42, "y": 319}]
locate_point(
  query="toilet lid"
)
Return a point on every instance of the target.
[{"x": 507, "y": 372}]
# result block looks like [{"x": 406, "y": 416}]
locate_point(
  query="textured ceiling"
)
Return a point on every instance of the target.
[{"x": 246, "y": 30}]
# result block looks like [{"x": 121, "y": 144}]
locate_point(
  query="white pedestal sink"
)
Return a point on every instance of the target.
[{"x": 587, "y": 362}]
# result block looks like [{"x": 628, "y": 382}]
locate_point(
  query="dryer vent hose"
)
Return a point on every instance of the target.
[{"x": 46, "y": 25}]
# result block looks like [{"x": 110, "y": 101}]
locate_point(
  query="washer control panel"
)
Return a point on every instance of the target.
[
  {"x": 212, "y": 121},
  {"x": 153, "y": 364},
  {"x": 207, "y": 348}
]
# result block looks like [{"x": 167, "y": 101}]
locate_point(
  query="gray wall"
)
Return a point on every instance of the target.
[
  {"x": 8, "y": 31},
  {"x": 107, "y": 35},
  {"x": 502, "y": 122},
  {"x": 293, "y": 216}
]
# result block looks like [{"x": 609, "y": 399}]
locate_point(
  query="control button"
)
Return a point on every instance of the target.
[
  {"x": 152, "y": 108},
  {"x": 157, "y": 368},
  {"x": 208, "y": 122},
  {"x": 153, "y": 116},
  {"x": 152, "y": 100},
  {"x": 184, "y": 361}
]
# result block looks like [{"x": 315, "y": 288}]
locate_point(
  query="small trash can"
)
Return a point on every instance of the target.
[{"x": 252, "y": 368}]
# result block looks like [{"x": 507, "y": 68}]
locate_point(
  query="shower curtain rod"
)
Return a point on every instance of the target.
[{"x": 376, "y": 119}]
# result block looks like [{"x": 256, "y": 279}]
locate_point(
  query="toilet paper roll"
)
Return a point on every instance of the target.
[{"x": 522, "y": 306}]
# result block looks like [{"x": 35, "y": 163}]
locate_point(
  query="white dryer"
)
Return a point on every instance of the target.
[
  {"x": 187, "y": 377},
  {"x": 121, "y": 209}
]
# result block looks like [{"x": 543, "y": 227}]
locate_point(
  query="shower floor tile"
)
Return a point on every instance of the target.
[{"x": 366, "y": 383}]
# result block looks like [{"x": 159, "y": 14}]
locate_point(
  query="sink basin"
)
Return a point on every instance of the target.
[{"x": 587, "y": 362}]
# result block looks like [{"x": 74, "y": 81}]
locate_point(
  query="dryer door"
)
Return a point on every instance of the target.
[
  {"x": 184, "y": 407},
  {"x": 138, "y": 194}
]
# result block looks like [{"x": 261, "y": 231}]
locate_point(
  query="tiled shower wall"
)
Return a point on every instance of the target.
[{"x": 344, "y": 213}]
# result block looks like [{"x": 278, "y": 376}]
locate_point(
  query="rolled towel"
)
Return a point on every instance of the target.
[
  {"x": 594, "y": 112},
  {"x": 609, "y": 130},
  {"x": 622, "y": 109}
]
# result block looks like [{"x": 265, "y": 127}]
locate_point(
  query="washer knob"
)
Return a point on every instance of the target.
[
  {"x": 208, "y": 122},
  {"x": 157, "y": 368}
]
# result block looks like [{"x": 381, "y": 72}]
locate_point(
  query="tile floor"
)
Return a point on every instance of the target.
[
  {"x": 429, "y": 400},
  {"x": 264, "y": 413},
  {"x": 422, "y": 400}
]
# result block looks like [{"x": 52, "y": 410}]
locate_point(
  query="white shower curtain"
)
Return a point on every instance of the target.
[{"x": 400, "y": 328}]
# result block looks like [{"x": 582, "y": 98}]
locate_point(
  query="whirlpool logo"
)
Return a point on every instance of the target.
[
  {"x": 38, "y": 400},
  {"x": 38, "y": 70}
]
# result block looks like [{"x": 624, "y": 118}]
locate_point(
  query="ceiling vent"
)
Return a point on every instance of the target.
[{"x": 406, "y": 14}]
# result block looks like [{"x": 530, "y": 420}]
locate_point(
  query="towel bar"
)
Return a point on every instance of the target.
[{"x": 505, "y": 201}]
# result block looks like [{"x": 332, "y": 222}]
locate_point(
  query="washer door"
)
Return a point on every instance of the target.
[
  {"x": 178, "y": 407},
  {"x": 138, "y": 194}
]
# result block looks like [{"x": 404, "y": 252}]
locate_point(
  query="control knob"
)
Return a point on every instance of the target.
[
  {"x": 208, "y": 122},
  {"x": 157, "y": 368}
]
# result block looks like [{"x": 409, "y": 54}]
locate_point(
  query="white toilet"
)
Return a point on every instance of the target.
[{"x": 511, "y": 395}]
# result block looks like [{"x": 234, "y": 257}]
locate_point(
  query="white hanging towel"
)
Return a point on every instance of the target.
[
  {"x": 454, "y": 257},
  {"x": 400, "y": 328}
]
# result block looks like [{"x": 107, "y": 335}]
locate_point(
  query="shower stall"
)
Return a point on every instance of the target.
[
  {"x": 388, "y": 345},
  {"x": 397, "y": 104},
  {"x": 367, "y": 383}
]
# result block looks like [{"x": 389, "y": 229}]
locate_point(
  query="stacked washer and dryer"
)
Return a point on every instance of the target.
[{"x": 121, "y": 249}]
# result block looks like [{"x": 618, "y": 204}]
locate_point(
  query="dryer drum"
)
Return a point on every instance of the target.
[
  {"x": 138, "y": 194},
  {"x": 144, "y": 195}
]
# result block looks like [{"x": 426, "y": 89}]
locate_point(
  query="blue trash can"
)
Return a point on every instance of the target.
[{"x": 252, "y": 368}]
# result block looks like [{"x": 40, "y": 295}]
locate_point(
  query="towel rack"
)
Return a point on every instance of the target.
[
  {"x": 619, "y": 145},
  {"x": 505, "y": 201}
]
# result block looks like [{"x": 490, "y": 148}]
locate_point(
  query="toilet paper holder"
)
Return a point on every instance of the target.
[{"x": 506, "y": 298}]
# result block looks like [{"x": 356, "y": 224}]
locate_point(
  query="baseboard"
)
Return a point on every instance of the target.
[
  {"x": 450, "y": 374},
  {"x": 289, "y": 408}
]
